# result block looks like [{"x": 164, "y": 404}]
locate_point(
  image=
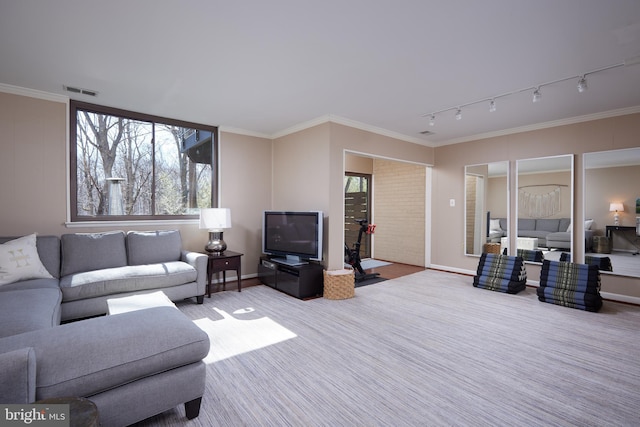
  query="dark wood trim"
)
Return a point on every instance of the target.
[{"x": 74, "y": 106}]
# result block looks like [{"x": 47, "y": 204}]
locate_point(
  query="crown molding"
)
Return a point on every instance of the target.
[
  {"x": 331, "y": 118},
  {"x": 33, "y": 93},
  {"x": 238, "y": 131},
  {"x": 545, "y": 125},
  {"x": 302, "y": 126}
]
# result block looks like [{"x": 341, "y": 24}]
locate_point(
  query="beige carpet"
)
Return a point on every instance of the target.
[{"x": 423, "y": 350}]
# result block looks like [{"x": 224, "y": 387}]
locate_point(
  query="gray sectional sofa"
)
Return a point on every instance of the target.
[
  {"x": 542, "y": 228},
  {"x": 132, "y": 365},
  {"x": 550, "y": 232}
]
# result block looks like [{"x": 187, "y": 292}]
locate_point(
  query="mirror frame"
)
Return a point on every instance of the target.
[
  {"x": 634, "y": 162},
  {"x": 504, "y": 168},
  {"x": 519, "y": 166}
]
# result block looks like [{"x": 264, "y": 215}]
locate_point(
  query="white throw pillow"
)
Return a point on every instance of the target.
[
  {"x": 569, "y": 228},
  {"x": 19, "y": 260},
  {"x": 494, "y": 225},
  {"x": 587, "y": 224}
]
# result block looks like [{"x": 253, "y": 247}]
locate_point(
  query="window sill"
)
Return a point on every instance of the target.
[{"x": 116, "y": 224}]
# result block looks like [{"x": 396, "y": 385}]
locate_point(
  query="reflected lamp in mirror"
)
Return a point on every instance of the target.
[
  {"x": 216, "y": 220},
  {"x": 616, "y": 207}
]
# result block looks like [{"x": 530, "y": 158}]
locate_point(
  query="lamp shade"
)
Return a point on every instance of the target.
[
  {"x": 215, "y": 219},
  {"x": 616, "y": 207}
]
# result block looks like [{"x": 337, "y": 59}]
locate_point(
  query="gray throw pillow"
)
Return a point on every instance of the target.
[
  {"x": 92, "y": 251},
  {"x": 151, "y": 247}
]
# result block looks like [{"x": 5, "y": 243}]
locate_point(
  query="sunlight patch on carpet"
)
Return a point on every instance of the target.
[{"x": 230, "y": 336}]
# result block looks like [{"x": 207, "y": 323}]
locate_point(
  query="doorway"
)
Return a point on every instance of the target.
[{"x": 357, "y": 205}]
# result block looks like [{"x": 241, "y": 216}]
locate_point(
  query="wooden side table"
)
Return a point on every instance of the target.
[{"x": 227, "y": 260}]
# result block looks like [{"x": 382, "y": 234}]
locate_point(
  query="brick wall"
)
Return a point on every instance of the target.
[{"x": 399, "y": 191}]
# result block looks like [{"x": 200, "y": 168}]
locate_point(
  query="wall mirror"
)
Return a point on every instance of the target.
[
  {"x": 544, "y": 207},
  {"x": 611, "y": 183},
  {"x": 486, "y": 206}
]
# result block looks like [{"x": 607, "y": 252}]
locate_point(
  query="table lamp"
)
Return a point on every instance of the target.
[
  {"x": 215, "y": 220},
  {"x": 616, "y": 207}
]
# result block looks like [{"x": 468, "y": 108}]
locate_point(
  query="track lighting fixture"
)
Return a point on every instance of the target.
[
  {"x": 582, "y": 84},
  {"x": 537, "y": 93}
]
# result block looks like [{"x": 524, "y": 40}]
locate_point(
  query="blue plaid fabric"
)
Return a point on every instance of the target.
[
  {"x": 500, "y": 273},
  {"x": 603, "y": 262},
  {"x": 570, "y": 285}
]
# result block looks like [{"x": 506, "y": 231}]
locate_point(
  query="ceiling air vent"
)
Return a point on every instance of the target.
[
  {"x": 427, "y": 132},
  {"x": 80, "y": 91}
]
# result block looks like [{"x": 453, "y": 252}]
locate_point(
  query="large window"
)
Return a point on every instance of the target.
[{"x": 130, "y": 166}]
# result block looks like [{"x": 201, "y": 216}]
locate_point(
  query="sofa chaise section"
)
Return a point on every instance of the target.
[{"x": 156, "y": 352}]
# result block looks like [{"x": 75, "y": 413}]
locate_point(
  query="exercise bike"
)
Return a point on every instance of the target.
[{"x": 352, "y": 256}]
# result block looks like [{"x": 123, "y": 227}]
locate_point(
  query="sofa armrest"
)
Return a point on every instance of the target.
[
  {"x": 18, "y": 376},
  {"x": 199, "y": 261}
]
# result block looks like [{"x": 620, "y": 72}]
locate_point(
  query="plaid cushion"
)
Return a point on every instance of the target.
[
  {"x": 571, "y": 299},
  {"x": 502, "y": 266},
  {"x": 603, "y": 262},
  {"x": 499, "y": 285},
  {"x": 570, "y": 285},
  {"x": 570, "y": 276},
  {"x": 500, "y": 273},
  {"x": 528, "y": 255}
]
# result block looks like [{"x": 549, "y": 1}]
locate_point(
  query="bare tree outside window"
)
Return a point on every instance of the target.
[{"x": 158, "y": 168}]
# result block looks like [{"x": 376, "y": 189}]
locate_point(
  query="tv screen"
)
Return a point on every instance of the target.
[{"x": 293, "y": 237}]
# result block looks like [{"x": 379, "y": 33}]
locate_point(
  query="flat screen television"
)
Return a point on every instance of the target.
[{"x": 292, "y": 237}]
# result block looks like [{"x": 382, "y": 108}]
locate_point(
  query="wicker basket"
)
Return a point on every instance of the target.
[
  {"x": 491, "y": 248},
  {"x": 339, "y": 284},
  {"x": 601, "y": 244}
]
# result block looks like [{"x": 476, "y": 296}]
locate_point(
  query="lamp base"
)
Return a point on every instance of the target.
[
  {"x": 216, "y": 245},
  {"x": 616, "y": 219}
]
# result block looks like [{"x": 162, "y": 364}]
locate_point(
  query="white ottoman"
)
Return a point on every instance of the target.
[{"x": 530, "y": 243}]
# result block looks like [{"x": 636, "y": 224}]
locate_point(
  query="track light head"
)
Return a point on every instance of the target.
[
  {"x": 492, "y": 106},
  {"x": 459, "y": 114},
  {"x": 537, "y": 95},
  {"x": 432, "y": 120},
  {"x": 582, "y": 84}
]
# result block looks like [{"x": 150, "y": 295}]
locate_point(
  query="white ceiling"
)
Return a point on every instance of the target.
[{"x": 267, "y": 67}]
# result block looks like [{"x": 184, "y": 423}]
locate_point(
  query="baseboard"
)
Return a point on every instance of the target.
[
  {"x": 452, "y": 269},
  {"x": 620, "y": 298}
]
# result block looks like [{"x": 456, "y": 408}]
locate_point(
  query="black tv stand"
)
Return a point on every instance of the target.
[
  {"x": 292, "y": 262},
  {"x": 300, "y": 281}
]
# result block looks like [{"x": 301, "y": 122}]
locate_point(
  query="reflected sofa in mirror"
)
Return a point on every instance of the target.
[
  {"x": 544, "y": 207},
  {"x": 613, "y": 177},
  {"x": 486, "y": 207}
]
